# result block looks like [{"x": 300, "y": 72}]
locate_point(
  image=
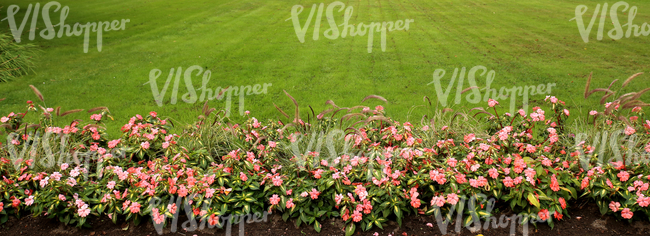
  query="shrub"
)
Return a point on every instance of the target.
[{"x": 15, "y": 59}]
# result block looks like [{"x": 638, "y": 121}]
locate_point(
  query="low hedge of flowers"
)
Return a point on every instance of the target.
[{"x": 528, "y": 162}]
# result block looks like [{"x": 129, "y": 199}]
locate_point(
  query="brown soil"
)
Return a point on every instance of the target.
[{"x": 585, "y": 220}]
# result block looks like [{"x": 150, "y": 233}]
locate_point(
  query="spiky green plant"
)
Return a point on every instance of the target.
[{"x": 15, "y": 59}]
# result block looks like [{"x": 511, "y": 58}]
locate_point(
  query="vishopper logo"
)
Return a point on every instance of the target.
[
  {"x": 348, "y": 29},
  {"x": 49, "y": 32},
  {"x": 606, "y": 147},
  {"x": 207, "y": 94},
  {"x": 474, "y": 224},
  {"x": 206, "y": 217},
  {"x": 41, "y": 147},
  {"x": 474, "y": 96},
  {"x": 615, "y": 33}
]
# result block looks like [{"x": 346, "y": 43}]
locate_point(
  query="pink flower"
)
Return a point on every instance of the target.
[
  {"x": 111, "y": 185},
  {"x": 275, "y": 199},
  {"x": 304, "y": 194},
  {"x": 543, "y": 214},
  {"x": 452, "y": 162},
  {"x": 290, "y": 203},
  {"x": 83, "y": 211},
  {"x": 469, "y": 138},
  {"x": 361, "y": 192},
  {"x": 585, "y": 183},
  {"x": 623, "y": 176},
  {"x": 627, "y": 214},
  {"x": 157, "y": 217},
  {"x": 356, "y": 216},
  {"x": 112, "y": 144},
  {"x": 29, "y": 201},
  {"x": 64, "y": 166},
  {"x": 15, "y": 203},
  {"x": 614, "y": 206},
  {"x": 61, "y": 197},
  {"x": 277, "y": 181},
  {"x": 508, "y": 182},
  {"x": 554, "y": 184},
  {"x": 494, "y": 173},
  {"x": 629, "y": 130},
  {"x": 318, "y": 173},
  {"x": 492, "y": 102},
  {"x": 96, "y": 117},
  {"x": 243, "y": 176},
  {"x": 44, "y": 182},
  {"x": 135, "y": 207},
  {"x": 452, "y": 198},
  {"x": 438, "y": 201},
  {"x": 643, "y": 201},
  {"x": 562, "y": 203},
  {"x": 314, "y": 193},
  {"x": 153, "y": 114},
  {"x": 338, "y": 198},
  {"x": 531, "y": 148},
  {"x": 209, "y": 192},
  {"x": 214, "y": 219},
  {"x": 72, "y": 182},
  {"x": 144, "y": 145}
]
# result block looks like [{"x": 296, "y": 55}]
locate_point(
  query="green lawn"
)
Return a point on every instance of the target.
[{"x": 250, "y": 42}]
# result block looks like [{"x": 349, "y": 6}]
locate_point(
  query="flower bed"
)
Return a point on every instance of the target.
[{"x": 384, "y": 169}]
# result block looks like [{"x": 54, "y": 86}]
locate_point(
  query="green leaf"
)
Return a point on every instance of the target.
[
  {"x": 349, "y": 231},
  {"x": 533, "y": 200},
  {"x": 467, "y": 221},
  {"x": 603, "y": 207},
  {"x": 317, "y": 226},
  {"x": 285, "y": 216}
]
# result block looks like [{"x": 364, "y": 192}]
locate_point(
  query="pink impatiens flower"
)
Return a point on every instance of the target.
[
  {"x": 243, "y": 176},
  {"x": 438, "y": 201},
  {"x": 338, "y": 198},
  {"x": 277, "y": 181},
  {"x": 290, "y": 203},
  {"x": 492, "y": 102},
  {"x": 614, "y": 206},
  {"x": 135, "y": 207},
  {"x": 643, "y": 201},
  {"x": 356, "y": 216},
  {"x": 29, "y": 201},
  {"x": 314, "y": 193},
  {"x": 111, "y": 185},
  {"x": 623, "y": 176},
  {"x": 83, "y": 211},
  {"x": 274, "y": 199},
  {"x": 627, "y": 214}
]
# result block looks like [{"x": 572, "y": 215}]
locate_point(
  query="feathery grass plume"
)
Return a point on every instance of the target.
[
  {"x": 628, "y": 80},
  {"x": 15, "y": 59},
  {"x": 468, "y": 89},
  {"x": 38, "y": 93},
  {"x": 98, "y": 109},
  {"x": 297, "y": 115},
  {"x": 374, "y": 97},
  {"x": 70, "y": 112},
  {"x": 281, "y": 111}
]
